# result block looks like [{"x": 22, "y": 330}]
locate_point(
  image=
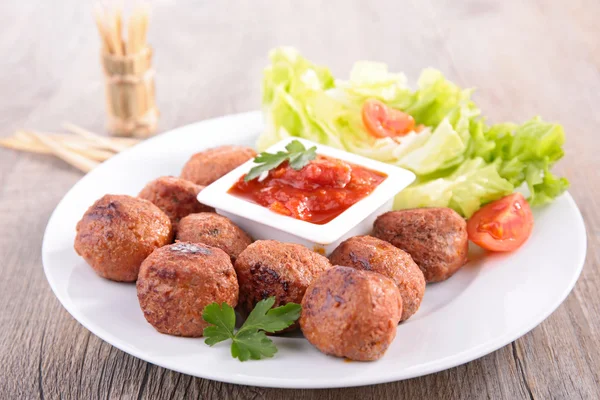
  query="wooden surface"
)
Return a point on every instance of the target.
[{"x": 525, "y": 58}]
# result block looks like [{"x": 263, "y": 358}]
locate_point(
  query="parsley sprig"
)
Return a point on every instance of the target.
[
  {"x": 250, "y": 341},
  {"x": 297, "y": 156}
]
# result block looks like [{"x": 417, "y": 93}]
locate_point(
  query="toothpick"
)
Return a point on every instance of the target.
[
  {"x": 16, "y": 144},
  {"x": 105, "y": 142},
  {"x": 118, "y": 30},
  {"x": 145, "y": 16},
  {"x": 100, "y": 23},
  {"x": 76, "y": 160}
]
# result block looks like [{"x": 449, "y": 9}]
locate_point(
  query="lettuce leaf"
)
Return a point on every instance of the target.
[
  {"x": 460, "y": 162},
  {"x": 527, "y": 152},
  {"x": 470, "y": 186},
  {"x": 442, "y": 150},
  {"x": 436, "y": 98},
  {"x": 290, "y": 86}
]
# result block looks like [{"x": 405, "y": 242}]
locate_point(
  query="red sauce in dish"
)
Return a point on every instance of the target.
[{"x": 317, "y": 193}]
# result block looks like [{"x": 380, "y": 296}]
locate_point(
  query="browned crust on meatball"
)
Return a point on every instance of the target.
[
  {"x": 177, "y": 281},
  {"x": 270, "y": 268},
  {"x": 214, "y": 230},
  {"x": 351, "y": 313},
  {"x": 118, "y": 232},
  {"x": 372, "y": 254},
  {"x": 436, "y": 238},
  {"x": 176, "y": 197},
  {"x": 207, "y": 166}
]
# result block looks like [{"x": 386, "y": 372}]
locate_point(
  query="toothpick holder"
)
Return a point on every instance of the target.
[{"x": 130, "y": 94}]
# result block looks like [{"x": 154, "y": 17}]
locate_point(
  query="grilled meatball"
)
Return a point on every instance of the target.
[
  {"x": 270, "y": 268},
  {"x": 214, "y": 230},
  {"x": 207, "y": 166},
  {"x": 371, "y": 254},
  {"x": 177, "y": 281},
  {"x": 118, "y": 232},
  {"x": 351, "y": 313},
  {"x": 175, "y": 196},
  {"x": 436, "y": 238}
]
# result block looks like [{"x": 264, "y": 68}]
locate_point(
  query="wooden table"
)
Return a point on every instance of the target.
[{"x": 525, "y": 58}]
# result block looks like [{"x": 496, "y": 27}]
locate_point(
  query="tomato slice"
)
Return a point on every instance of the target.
[
  {"x": 502, "y": 225},
  {"x": 383, "y": 121}
]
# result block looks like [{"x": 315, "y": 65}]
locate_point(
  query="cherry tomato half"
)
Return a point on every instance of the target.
[
  {"x": 382, "y": 121},
  {"x": 502, "y": 225}
]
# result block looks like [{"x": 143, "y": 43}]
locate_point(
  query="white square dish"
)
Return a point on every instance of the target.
[{"x": 262, "y": 223}]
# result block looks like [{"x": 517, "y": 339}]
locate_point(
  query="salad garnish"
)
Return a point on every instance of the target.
[
  {"x": 297, "y": 156},
  {"x": 438, "y": 132},
  {"x": 502, "y": 225},
  {"x": 250, "y": 341}
]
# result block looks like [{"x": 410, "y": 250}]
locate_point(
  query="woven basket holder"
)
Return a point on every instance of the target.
[{"x": 130, "y": 94}]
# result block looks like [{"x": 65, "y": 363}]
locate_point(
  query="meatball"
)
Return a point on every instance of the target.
[
  {"x": 351, "y": 313},
  {"x": 175, "y": 196},
  {"x": 118, "y": 232},
  {"x": 214, "y": 230},
  {"x": 207, "y": 166},
  {"x": 371, "y": 254},
  {"x": 177, "y": 281},
  {"x": 436, "y": 238},
  {"x": 271, "y": 268}
]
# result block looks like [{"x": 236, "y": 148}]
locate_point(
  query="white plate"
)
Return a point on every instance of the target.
[{"x": 489, "y": 303}]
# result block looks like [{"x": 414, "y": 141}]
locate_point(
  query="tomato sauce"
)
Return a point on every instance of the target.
[{"x": 317, "y": 193}]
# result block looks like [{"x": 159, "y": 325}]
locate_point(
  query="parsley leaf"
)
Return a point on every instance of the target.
[
  {"x": 269, "y": 319},
  {"x": 250, "y": 342},
  {"x": 295, "y": 146},
  {"x": 222, "y": 319},
  {"x": 252, "y": 345},
  {"x": 297, "y": 156}
]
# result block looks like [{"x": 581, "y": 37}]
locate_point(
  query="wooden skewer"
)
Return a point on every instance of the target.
[
  {"x": 122, "y": 141},
  {"x": 110, "y": 26},
  {"x": 28, "y": 140},
  {"x": 74, "y": 141},
  {"x": 25, "y": 137},
  {"x": 99, "y": 17},
  {"x": 69, "y": 139},
  {"x": 130, "y": 35},
  {"x": 24, "y": 141},
  {"x": 81, "y": 150},
  {"x": 105, "y": 142},
  {"x": 137, "y": 38},
  {"x": 145, "y": 15},
  {"x": 118, "y": 30},
  {"x": 16, "y": 144},
  {"x": 40, "y": 148},
  {"x": 76, "y": 160},
  {"x": 91, "y": 153},
  {"x": 108, "y": 21},
  {"x": 114, "y": 33}
]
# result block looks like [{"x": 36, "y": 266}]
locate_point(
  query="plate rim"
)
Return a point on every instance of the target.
[{"x": 438, "y": 365}]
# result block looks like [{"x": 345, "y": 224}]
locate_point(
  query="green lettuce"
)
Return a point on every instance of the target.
[
  {"x": 471, "y": 185},
  {"x": 460, "y": 162},
  {"x": 426, "y": 159},
  {"x": 526, "y": 153}
]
